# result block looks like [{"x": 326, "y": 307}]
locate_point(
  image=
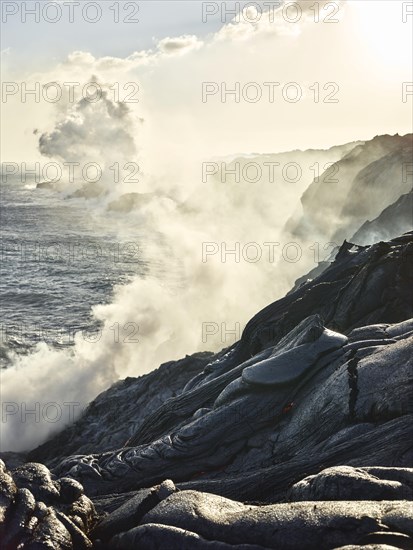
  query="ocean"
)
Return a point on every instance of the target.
[{"x": 60, "y": 256}]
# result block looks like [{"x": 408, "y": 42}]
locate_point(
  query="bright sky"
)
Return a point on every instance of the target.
[
  {"x": 148, "y": 20},
  {"x": 355, "y": 66}
]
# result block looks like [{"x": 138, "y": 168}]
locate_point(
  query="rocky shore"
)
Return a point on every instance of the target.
[{"x": 298, "y": 436}]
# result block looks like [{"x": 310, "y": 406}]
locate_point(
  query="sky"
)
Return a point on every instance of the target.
[
  {"x": 353, "y": 56},
  {"x": 176, "y": 92},
  {"x": 147, "y": 21}
]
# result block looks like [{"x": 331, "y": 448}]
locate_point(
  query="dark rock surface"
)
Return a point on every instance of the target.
[
  {"x": 130, "y": 201},
  {"x": 394, "y": 220},
  {"x": 45, "y": 185},
  {"x": 357, "y": 188},
  {"x": 187, "y": 515},
  {"x": 340, "y": 389},
  {"x": 111, "y": 419},
  {"x": 38, "y": 511},
  {"x": 298, "y": 436},
  {"x": 347, "y": 483},
  {"x": 370, "y": 285},
  {"x": 225, "y": 424}
]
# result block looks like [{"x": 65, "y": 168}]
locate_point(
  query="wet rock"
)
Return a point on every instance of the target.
[
  {"x": 340, "y": 391},
  {"x": 367, "y": 547},
  {"x": 45, "y": 185},
  {"x": 304, "y": 525},
  {"x": 129, "y": 514},
  {"x": 364, "y": 291},
  {"x": 70, "y": 489},
  {"x": 271, "y": 443},
  {"x": 285, "y": 368},
  {"x": 399, "y": 540},
  {"x": 38, "y": 479},
  {"x": 111, "y": 419},
  {"x": 36, "y": 515},
  {"x": 347, "y": 483},
  {"x": 165, "y": 537},
  {"x": 126, "y": 516}
]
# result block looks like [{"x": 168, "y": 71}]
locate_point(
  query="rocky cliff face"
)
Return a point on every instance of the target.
[
  {"x": 115, "y": 415},
  {"x": 40, "y": 511},
  {"x": 298, "y": 436},
  {"x": 355, "y": 189},
  {"x": 394, "y": 220}
]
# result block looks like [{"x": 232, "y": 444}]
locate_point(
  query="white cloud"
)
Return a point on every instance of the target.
[
  {"x": 179, "y": 45},
  {"x": 181, "y": 131}
]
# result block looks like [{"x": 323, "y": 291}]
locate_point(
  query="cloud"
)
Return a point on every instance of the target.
[
  {"x": 81, "y": 58},
  {"x": 251, "y": 23},
  {"x": 179, "y": 45},
  {"x": 180, "y": 132},
  {"x": 92, "y": 131}
]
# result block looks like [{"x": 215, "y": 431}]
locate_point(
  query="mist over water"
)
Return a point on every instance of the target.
[
  {"x": 133, "y": 279},
  {"x": 197, "y": 258},
  {"x": 134, "y": 283},
  {"x": 59, "y": 258}
]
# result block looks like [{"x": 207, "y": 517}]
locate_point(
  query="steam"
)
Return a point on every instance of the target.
[
  {"x": 216, "y": 248},
  {"x": 87, "y": 130},
  {"x": 216, "y": 257},
  {"x": 95, "y": 137}
]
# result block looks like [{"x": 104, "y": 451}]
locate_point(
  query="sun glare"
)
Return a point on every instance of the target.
[{"x": 386, "y": 28}]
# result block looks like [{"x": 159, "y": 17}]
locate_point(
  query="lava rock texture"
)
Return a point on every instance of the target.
[{"x": 299, "y": 436}]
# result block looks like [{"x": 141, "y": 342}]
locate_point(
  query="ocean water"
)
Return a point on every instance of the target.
[{"x": 59, "y": 257}]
